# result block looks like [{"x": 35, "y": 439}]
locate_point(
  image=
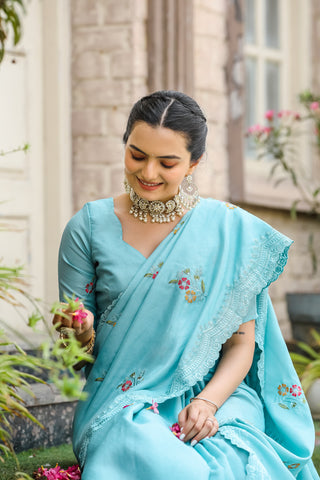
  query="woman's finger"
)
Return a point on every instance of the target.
[
  {"x": 197, "y": 429},
  {"x": 210, "y": 428}
]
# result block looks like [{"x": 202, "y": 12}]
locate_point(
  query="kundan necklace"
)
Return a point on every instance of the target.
[{"x": 161, "y": 212}]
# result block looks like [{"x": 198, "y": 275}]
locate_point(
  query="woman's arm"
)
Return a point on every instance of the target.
[{"x": 236, "y": 360}]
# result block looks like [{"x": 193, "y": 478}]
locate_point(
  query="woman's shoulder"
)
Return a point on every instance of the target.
[{"x": 233, "y": 218}]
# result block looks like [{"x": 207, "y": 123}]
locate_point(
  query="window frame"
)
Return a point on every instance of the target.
[{"x": 249, "y": 179}]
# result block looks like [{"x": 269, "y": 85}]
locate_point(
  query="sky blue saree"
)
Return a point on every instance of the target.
[{"x": 160, "y": 324}]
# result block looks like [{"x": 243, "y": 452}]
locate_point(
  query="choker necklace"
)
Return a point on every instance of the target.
[{"x": 162, "y": 212}]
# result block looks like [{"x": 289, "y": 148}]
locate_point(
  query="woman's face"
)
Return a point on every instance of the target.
[{"x": 156, "y": 161}]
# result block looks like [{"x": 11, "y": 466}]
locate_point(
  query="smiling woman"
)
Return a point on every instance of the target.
[{"x": 192, "y": 378}]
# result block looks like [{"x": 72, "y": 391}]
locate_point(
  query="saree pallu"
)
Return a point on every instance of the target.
[{"x": 160, "y": 341}]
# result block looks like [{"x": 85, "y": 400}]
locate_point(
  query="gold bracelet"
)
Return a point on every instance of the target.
[
  {"x": 90, "y": 345},
  {"x": 205, "y": 400},
  {"x": 65, "y": 332}
]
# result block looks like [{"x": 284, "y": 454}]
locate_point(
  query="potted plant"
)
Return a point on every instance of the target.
[
  {"x": 277, "y": 141},
  {"x": 307, "y": 365}
]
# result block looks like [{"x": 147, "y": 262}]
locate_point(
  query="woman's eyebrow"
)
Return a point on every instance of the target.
[{"x": 173, "y": 157}]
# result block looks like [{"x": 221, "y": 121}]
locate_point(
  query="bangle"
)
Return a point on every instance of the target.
[
  {"x": 89, "y": 346},
  {"x": 205, "y": 400}
]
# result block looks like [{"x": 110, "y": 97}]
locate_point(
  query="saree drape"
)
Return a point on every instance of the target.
[{"x": 160, "y": 340}]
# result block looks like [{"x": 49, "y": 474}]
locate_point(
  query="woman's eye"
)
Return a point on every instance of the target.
[
  {"x": 167, "y": 166},
  {"x": 135, "y": 157}
]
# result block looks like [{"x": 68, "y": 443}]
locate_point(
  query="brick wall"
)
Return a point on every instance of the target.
[
  {"x": 109, "y": 72},
  {"x": 210, "y": 58}
]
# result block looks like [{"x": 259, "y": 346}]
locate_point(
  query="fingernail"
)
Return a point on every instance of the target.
[
  {"x": 181, "y": 429},
  {"x": 193, "y": 443},
  {"x": 182, "y": 436}
]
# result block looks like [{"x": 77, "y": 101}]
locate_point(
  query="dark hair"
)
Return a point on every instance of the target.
[{"x": 174, "y": 110}]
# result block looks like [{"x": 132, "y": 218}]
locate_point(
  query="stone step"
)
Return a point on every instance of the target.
[{"x": 50, "y": 408}]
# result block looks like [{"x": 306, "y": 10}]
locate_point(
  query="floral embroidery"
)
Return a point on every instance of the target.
[
  {"x": 190, "y": 296},
  {"x": 112, "y": 320},
  {"x": 283, "y": 390},
  {"x": 131, "y": 381},
  {"x": 230, "y": 206},
  {"x": 295, "y": 390},
  {"x": 292, "y": 466},
  {"x": 175, "y": 429},
  {"x": 154, "y": 407},
  {"x": 191, "y": 284},
  {"x": 154, "y": 271},
  {"x": 289, "y": 395},
  {"x": 176, "y": 230},
  {"x": 90, "y": 285}
]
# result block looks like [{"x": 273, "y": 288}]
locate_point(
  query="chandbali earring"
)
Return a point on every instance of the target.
[{"x": 188, "y": 193}]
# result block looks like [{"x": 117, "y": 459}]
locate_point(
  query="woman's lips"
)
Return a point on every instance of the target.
[{"x": 148, "y": 186}]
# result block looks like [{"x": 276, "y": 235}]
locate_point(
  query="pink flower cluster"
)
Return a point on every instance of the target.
[
  {"x": 176, "y": 430},
  {"x": 57, "y": 473},
  {"x": 258, "y": 130},
  {"x": 314, "y": 106}
]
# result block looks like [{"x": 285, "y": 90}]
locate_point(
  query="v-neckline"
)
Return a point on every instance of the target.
[{"x": 159, "y": 245}]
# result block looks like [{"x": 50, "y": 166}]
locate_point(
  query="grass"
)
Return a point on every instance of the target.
[{"x": 30, "y": 460}]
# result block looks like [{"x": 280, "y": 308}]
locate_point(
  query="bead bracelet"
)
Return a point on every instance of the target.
[{"x": 205, "y": 400}]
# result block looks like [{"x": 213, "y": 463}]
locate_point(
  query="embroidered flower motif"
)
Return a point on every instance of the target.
[
  {"x": 230, "y": 206},
  {"x": 176, "y": 230},
  {"x": 190, "y": 296},
  {"x": 154, "y": 271},
  {"x": 131, "y": 381},
  {"x": 176, "y": 430},
  {"x": 126, "y": 385},
  {"x": 191, "y": 284},
  {"x": 126, "y": 406},
  {"x": 90, "y": 285},
  {"x": 184, "y": 283},
  {"x": 295, "y": 390},
  {"x": 283, "y": 390},
  {"x": 293, "y": 466},
  {"x": 154, "y": 407},
  {"x": 290, "y": 396}
]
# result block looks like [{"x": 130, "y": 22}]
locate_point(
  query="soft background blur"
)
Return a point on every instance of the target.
[{"x": 68, "y": 88}]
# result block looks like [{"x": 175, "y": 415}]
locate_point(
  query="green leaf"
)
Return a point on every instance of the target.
[
  {"x": 203, "y": 288},
  {"x": 173, "y": 281},
  {"x": 282, "y": 405}
]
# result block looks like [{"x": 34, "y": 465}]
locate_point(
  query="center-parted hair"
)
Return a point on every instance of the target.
[{"x": 174, "y": 110}]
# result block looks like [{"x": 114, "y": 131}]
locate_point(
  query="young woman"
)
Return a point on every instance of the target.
[{"x": 175, "y": 288}]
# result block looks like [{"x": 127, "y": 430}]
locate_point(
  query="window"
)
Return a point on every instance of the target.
[{"x": 277, "y": 67}]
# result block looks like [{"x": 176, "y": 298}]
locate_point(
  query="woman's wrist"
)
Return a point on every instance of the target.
[{"x": 212, "y": 404}]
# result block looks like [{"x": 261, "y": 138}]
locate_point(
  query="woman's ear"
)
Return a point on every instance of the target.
[{"x": 194, "y": 165}]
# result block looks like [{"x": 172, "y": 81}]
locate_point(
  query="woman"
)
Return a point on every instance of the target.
[{"x": 175, "y": 290}]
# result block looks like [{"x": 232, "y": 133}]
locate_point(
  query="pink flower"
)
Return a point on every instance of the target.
[
  {"x": 154, "y": 407},
  {"x": 267, "y": 130},
  {"x": 79, "y": 314},
  {"x": 176, "y": 430},
  {"x": 74, "y": 472},
  {"x": 269, "y": 115},
  {"x": 57, "y": 473},
  {"x": 184, "y": 283},
  {"x": 126, "y": 385},
  {"x": 314, "y": 106},
  {"x": 295, "y": 390}
]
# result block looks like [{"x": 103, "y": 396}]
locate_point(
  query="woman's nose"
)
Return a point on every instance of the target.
[{"x": 149, "y": 170}]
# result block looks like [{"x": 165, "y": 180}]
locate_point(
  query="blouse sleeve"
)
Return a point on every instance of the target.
[{"x": 76, "y": 268}]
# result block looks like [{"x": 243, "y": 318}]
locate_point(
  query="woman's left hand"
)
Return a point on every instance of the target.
[{"x": 197, "y": 422}]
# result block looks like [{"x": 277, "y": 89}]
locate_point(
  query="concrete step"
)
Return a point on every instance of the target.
[{"x": 52, "y": 410}]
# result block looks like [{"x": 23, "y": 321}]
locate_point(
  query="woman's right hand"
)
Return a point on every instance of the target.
[{"x": 83, "y": 331}]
